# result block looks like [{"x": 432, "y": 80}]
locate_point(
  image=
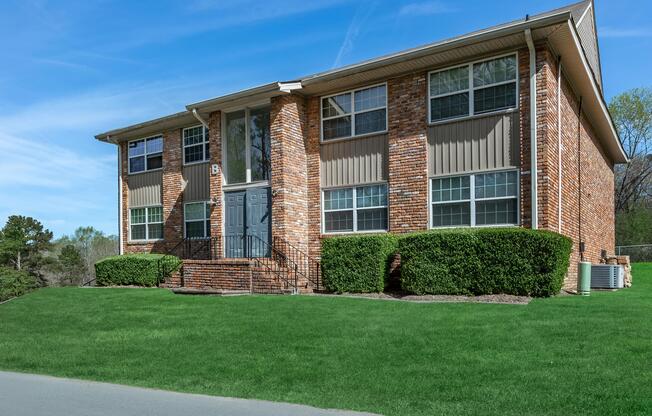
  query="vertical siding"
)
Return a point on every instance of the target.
[
  {"x": 145, "y": 189},
  {"x": 355, "y": 161},
  {"x": 196, "y": 178},
  {"x": 586, "y": 32},
  {"x": 490, "y": 142}
]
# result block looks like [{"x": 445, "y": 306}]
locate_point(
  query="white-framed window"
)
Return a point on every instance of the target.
[
  {"x": 145, "y": 154},
  {"x": 355, "y": 209},
  {"x": 479, "y": 199},
  {"x": 354, "y": 113},
  {"x": 475, "y": 88},
  {"x": 146, "y": 223},
  {"x": 246, "y": 148},
  {"x": 197, "y": 219},
  {"x": 195, "y": 145}
]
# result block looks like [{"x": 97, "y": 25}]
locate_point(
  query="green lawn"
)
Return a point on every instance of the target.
[{"x": 559, "y": 356}]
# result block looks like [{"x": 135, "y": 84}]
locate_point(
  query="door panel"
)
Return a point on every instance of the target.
[{"x": 248, "y": 213}]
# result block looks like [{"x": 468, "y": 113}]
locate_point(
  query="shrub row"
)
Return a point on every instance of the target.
[
  {"x": 357, "y": 263},
  {"x": 134, "y": 269},
  {"x": 15, "y": 283},
  {"x": 479, "y": 261}
]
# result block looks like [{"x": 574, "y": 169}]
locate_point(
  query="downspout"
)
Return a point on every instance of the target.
[
  {"x": 198, "y": 117},
  {"x": 559, "y": 145},
  {"x": 533, "y": 130},
  {"x": 120, "y": 237}
]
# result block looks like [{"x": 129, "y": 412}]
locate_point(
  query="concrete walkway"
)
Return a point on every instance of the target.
[{"x": 34, "y": 395}]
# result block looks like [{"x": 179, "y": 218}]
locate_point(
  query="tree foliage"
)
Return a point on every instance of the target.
[{"x": 22, "y": 243}]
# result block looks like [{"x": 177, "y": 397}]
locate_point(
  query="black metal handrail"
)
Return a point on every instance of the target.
[{"x": 308, "y": 267}]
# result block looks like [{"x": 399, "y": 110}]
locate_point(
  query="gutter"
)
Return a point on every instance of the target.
[
  {"x": 534, "y": 173},
  {"x": 200, "y": 118}
]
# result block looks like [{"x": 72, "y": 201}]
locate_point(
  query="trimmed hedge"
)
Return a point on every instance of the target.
[
  {"x": 513, "y": 261},
  {"x": 357, "y": 263},
  {"x": 133, "y": 269},
  {"x": 15, "y": 283}
]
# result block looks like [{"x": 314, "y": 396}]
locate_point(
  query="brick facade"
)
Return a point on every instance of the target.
[{"x": 295, "y": 170}]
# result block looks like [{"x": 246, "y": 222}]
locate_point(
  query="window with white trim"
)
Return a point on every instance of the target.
[
  {"x": 197, "y": 219},
  {"x": 476, "y": 88},
  {"x": 146, "y": 223},
  {"x": 475, "y": 200},
  {"x": 195, "y": 145},
  {"x": 354, "y": 113},
  {"x": 361, "y": 208},
  {"x": 145, "y": 154}
]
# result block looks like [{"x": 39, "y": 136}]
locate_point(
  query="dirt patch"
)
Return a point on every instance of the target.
[{"x": 501, "y": 299}]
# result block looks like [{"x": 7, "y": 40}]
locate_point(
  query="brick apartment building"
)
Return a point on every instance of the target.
[{"x": 443, "y": 135}]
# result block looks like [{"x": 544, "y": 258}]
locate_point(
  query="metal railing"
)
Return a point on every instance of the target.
[
  {"x": 636, "y": 253},
  {"x": 307, "y": 267}
]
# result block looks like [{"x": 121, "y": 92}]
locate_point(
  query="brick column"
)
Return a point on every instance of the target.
[
  {"x": 289, "y": 175},
  {"x": 313, "y": 159},
  {"x": 408, "y": 168},
  {"x": 215, "y": 141},
  {"x": 125, "y": 197},
  {"x": 172, "y": 187}
]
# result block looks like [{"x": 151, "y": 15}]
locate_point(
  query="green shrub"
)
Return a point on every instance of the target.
[
  {"x": 134, "y": 269},
  {"x": 357, "y": 263},
  {"x": 15, "y": 283},
  {"x": 514, "y": 261}
]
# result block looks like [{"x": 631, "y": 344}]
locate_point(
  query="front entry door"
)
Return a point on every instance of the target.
[{"x": 247, "y": 223}]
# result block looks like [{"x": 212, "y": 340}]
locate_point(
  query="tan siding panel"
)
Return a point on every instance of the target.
[
  {"x": 483, "y": 143},
  {"x": 196, "y": 178},
  {"x": 145, "y": 189},
  {"x": 356, "y": 161},
  {"x": 586, "y": 32}
]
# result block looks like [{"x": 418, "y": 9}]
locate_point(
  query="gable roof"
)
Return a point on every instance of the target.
[{"x": 504, "y": 36}]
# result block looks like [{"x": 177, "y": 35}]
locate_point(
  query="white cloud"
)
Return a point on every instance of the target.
[
  {"x": 612, "y": 32},
  {"x": 424, "y": 8},
  {"x": 359, "y": 19}
]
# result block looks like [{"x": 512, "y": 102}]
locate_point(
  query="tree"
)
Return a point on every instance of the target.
[
  {"x": 632, "y": 115},
  {"x": 22, "y": 240},
  {"x": 71, "y": 264},
  {"x": 92, "y": 246}
]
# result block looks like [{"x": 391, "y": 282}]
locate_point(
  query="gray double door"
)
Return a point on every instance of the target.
[{"x": 247, "y": 223}]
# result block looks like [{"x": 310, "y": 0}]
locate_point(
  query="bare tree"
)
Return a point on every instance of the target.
[{"x": 632, "y": 114}]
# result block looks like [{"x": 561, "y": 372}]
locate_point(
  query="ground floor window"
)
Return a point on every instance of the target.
[
  {"x": 146, "y": 223},
  {"x": 479, "y": 199},
  {"x": 197, "y": 219},
  {"x": 361, "y": 208}
]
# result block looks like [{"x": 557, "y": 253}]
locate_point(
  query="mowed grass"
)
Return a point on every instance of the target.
[{"x": 558, "y": 356}]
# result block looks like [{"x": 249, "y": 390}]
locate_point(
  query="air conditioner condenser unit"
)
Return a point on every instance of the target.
[{"x": 607, "y": 276}]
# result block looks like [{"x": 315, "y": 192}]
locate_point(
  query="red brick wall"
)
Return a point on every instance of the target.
[
  {"x": 215, "y": 182},
  {"x": 233, "y": 274},
  {"x": 289, "y": 177},
  {"x": 172, "y": 186},
  {"x": 408, "y": 167},
  {"x": 314, "y": 166}
]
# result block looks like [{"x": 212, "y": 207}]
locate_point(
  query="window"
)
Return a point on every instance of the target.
[
  {"x": 197, "y": 219},
  {"x": 354, "y": 113},
  {"x": 476, "y": 88},
  {"x": 195, "y": 145},
  {"x": 248, "y": 144},
  {"x": 475, "y": 200},
  {"x": 146, "y": 223},
  {"x": 362, "y": 208},
  {"x": 145, "y": 154}
]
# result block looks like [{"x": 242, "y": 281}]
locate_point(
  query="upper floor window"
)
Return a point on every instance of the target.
[
  {"x": 195, "y": 145},
  {"x": 354, "y": 113},
  {"x": 476, "y": 88},
  {"x": 145, "y": 154},
  {"x": 247, "y": 146},
  {"x": 475, "y": 200}
]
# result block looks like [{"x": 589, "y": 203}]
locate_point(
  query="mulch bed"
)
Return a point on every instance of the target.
[{"x": 500, "y": 299}]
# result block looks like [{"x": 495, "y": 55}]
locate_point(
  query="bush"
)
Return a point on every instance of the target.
[
  {"x": 357, "y": 263},
  {"x": 514, "y": 261},
  {"x": 134, "y": 269},
  {"x": 15, "y": 283}
]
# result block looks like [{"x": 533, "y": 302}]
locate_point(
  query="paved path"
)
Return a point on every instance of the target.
[{"x": 33, "y": 395}]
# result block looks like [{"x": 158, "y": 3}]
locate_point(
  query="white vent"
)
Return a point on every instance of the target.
[{"x": 606, "y": 276}]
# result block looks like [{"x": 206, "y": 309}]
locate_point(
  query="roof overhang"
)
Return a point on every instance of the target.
[
  {"x": 566, "y": 43},
  {"x": 148, "y": 128}
]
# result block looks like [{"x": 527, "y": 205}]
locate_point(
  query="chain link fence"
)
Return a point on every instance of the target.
[{"x": 636, "y": 253}]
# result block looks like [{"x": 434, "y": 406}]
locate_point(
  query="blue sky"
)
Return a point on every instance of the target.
[{"x": 72, "y": 69}]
